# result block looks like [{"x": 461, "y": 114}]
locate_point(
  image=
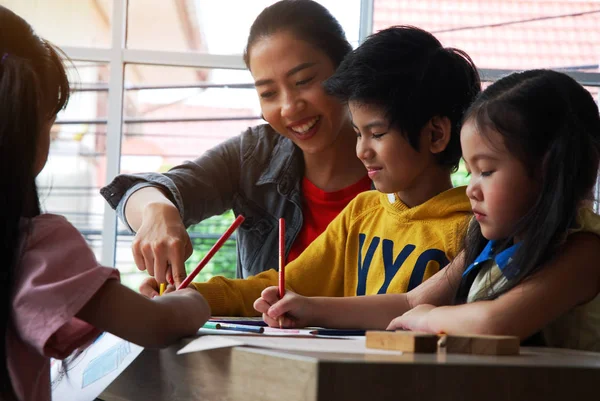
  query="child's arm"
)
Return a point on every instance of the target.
[
  {"x": 570, "y": 279},
  {"x": 149, "y": 323},
  {"x": 369, "y": 312}
]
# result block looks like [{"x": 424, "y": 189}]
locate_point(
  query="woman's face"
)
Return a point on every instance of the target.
[{"x": 288, "y": 74}]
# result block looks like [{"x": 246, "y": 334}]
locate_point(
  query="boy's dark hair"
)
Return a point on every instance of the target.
[
  {"x": 305, "y": 19},
  {"x": 551, "y": 124},
  {"x": 406, "y": 71},
  {"x": 33, "y": 88}
]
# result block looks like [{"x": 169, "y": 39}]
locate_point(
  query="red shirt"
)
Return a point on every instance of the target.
[{"x": 319, "y": 208}]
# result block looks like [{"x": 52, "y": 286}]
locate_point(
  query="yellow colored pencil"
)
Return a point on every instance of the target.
[{"x": 162, "y": 288}]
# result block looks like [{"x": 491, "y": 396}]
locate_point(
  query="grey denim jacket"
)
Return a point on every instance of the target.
[{"x": 257, "y": 174}]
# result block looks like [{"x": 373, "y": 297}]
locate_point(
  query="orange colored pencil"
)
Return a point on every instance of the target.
[
  {"x": 281, "y": 258},
  {"x": 240, "y": 219}
]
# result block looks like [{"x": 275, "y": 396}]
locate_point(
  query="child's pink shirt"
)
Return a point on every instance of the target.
[{"x": 56, "y": 276}]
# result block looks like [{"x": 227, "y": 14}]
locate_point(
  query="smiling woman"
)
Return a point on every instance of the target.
[{"x": 301, "y": 166}]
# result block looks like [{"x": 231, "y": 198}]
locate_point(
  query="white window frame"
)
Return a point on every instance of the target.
[{"x": 118, "y": 55}]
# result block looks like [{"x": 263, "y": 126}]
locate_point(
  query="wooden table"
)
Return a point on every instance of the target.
[{"x": 244, "y": 373}]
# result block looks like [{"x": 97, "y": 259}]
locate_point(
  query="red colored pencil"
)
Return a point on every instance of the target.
[
  {"x": 240, "y": 219},
  {"x": 281, "y": 258}
]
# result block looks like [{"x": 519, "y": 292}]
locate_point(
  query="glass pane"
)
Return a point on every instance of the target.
[
  {"x": 173, "y": 114},
  {"x": 70, "y": 182},
  {"x": 85, "y": 23},
  {"x": 210, "y": 26},
  {"x": 516, "y": 34}
]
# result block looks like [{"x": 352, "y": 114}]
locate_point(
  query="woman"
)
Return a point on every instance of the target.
[{"x": 302, "y": 166}]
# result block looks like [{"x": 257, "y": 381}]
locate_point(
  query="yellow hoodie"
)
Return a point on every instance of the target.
[{"x": 376, "y": 245}]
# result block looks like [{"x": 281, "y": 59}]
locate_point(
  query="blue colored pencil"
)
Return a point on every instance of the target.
[{"x": 234, "y": 327}]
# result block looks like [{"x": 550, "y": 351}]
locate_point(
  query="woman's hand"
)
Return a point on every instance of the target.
[
  {"x": 415, "y": 319},
  {"x": 292, "y": 311},
  {"x": 162, "y": 245}
]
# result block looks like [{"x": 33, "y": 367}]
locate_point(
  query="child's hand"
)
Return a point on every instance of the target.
[
  {"x": 189, "y": 309},
  {"x": 149, "y": 288},
  {"x": 413, "y": 320},
  {"x": 293, "y": 310}
]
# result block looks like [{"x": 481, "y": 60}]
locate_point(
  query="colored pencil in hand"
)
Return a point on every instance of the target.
[
  {"x": 281, "y": 263},
  {"x": 281, "y": 258},
  {"x": 240, "y": 219}
]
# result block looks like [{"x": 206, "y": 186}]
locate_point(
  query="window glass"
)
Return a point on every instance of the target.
[
  {"x": 83, "y": 23},
  {"x": 209, "y": 26}
]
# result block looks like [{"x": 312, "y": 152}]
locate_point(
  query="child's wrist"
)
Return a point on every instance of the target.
[
  {"x": 431, "y": 323},
  {"x": 315, "y": 311}
]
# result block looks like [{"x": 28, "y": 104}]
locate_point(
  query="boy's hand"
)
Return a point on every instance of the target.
[
  {"x": 291, "y": 311},
  {"x": 415, "y": 319}
]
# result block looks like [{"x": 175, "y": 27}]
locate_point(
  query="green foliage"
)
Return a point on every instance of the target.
[
  {"x": 461, "y": 177},
  {"x": 204, "y": 235}
]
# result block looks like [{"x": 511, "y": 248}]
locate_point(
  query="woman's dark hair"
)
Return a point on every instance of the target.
[
  {"x": 551, "y": 124},
  {"x": 33, "y": 88},
  {"x": 406, "y": 71},
  {"x": 305, "y": 19}
]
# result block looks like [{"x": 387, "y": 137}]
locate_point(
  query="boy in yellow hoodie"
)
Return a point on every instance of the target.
[{"x": 406, "y": 95}]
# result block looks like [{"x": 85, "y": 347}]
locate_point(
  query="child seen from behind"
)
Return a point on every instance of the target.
[{"x": 55, "y": 297}]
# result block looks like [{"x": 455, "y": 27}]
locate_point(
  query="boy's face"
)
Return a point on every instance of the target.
[
  {"x": 500, "y": 189},
  {"x": 392, "y": 163}
]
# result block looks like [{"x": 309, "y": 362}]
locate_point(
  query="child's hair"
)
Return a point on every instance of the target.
[
  {"x": 305, "y": 19},
  {"x": 408, "y": 72},
  {"x": 33, "y": 88},
  {"x": 551, "y": 124}
]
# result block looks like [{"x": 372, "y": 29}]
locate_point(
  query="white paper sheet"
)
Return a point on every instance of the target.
[
  {"x": 354, "y": 345},
  {"x": 92, "y": 370}
]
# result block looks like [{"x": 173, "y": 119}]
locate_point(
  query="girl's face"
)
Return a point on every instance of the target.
[
  {"x": 500, "y": 189},
  {"x": 288, "y": 73},
  {"x": 43, "y": 146},
  {"x": 392, "y": 163}
]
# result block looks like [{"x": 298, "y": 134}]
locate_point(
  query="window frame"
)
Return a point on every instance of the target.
[{"x": 118, "y": 56}]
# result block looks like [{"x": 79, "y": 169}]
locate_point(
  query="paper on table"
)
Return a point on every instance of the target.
[
  {"x": 356, "y": 345},
  {"x": 92, "y": 370},
  {"x": 213, "y": 342}
]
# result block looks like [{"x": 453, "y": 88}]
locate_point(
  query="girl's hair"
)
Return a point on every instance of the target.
[
  {"x": 551, "y": 124},
  {"x": 406, "y": 71},
  {"x": 306, "y": 20},
  {"x": 33, "y": 88}
]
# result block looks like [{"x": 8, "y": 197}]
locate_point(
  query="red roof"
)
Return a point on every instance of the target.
[{"x": 548, "y": 43}]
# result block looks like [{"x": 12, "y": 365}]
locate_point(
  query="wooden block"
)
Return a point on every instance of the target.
[
  {"x": 482, "y": 345},
  {"x": 407, "y": 341}
]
